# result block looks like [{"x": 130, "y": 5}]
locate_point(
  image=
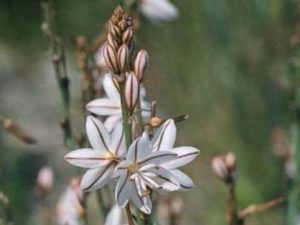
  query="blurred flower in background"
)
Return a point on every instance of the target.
[{"x": 158, "y": 10}]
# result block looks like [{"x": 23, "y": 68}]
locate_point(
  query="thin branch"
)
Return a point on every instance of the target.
[{"x": 258, "y": 208}]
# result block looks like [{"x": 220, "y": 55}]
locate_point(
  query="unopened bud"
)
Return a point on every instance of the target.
[
  {"x": 110, "y": 58},
  {"x": 219, "y": 167},
  {"x": 225, "y": 167},
  {"x": 45, "y": 180},
  {"x": 230, "y": 161},
  {"x": 123, "y": 57},
  {"x": 122, "y": 25},
  {"x": 131, "y": 91},
  {"x": 140, "y": 64},
  {"x": 111, "y": 41},
  {"x": 114, "y": 30},
  {"x": 127, "y": 35}
]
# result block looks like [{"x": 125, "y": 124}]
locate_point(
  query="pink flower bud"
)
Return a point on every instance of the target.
[
  {"x": 140, "y": 64},
  {"x": 45, "y": 178},
  {"x": 131, "y": 90},
  {"x": 123, "y": 57},
  {"x": 110, "y": 57},
  {"x": 220, "y": 167}
]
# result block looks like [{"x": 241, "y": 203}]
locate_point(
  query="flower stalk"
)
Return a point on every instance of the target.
[{"x": 59, "y": 63}]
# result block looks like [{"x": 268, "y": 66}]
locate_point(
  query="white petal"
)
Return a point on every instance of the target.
[
  {"x": 110, "y": 88},
  {"x": 112, "y": 121},
  {"x": 95, "y": 179},
  {"x": 118, "y": 140},
  {"x": 164, "y": 137},
  {"x": 114, "y": 216},
  {"x": 87, "y": 158},
  {"x": 157, "y": 11},
  {"x": 139, "y": 149},
  {"x": 98, "y": 135},
  {"x": 158, "y": 158},
  {"x": 165, "y": 179},
  {"x": 185, "y": 155},
  {"x": 184, "y": 180},
  {"x": 142, "y": 202},
  {"x": 123, "y": 189},
  {"x": 104, "y": 107}
]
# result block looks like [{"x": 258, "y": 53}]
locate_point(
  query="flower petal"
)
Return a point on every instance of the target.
[
  {"x": 112, "y": 121},
  {"x": 164, "y": 137},
  {"x": 95, "y": 179},
  {"x": 110, "y": 88},
  {"x": 158, "y": 158},
  {"x": 165, "y": 179},
  {"x": 185, "y": 182},
  {"x": 123, "y": 189},
  {"x": 139, "y": 149},
  {"x": 98, "y": 134},
  {"x": 185, "y": 155},
  {"x": 142, "y": 202},
  {"x": 114, "y": 216},
  {"x": 87, "y": 158},
  {"x": 157, "y": 11},
  {"x": 118, "y": 140},
  {"x": 104, "y": 107}
]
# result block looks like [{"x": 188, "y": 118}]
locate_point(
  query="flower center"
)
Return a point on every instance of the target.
[{"x": 133, "y": 168}]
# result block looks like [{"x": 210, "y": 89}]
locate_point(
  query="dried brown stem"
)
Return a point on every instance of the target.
[
  {"x": 17, "y": 131},
  {"x": 258, "y": 208}
]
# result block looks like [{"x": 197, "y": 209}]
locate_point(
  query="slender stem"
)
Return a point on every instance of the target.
[
  {"x": 129, "y": 215},
  {"x": 232, "y": 215},
  {"x": 49, "y": 29}
]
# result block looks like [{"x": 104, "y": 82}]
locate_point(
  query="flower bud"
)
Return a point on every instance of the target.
[
  {"x": 114, "y": 30},
  {"x": 131, "y": 90},
  {"x": 45, "y": 179},
  {"x": 230, "y": 161},
  {"x": 123, "y": 57},
  {"x": 127, "y": 35},
  {"x": 220, "y": 167},
  {"x": 111, "y": 41},
  {"x": 110, "y": 58},
  {"x": 225, "y": 167},
  {"x": 140, "y": 64}
]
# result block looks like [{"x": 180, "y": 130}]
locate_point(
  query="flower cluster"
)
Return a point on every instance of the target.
[{"x": 122, "y": 149}]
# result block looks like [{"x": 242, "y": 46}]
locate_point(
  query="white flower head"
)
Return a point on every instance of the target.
[
  {"x": 141, "y": 172},
  {"x": 164, "y": 139},
  {"x": 158, "y": 10},
  {"x": 69, "y": 209},
  {"x": 110, "y": 106},
  {"x": 107, "y": 150}
]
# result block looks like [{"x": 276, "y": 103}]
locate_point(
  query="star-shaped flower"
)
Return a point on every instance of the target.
[
  {"x": 164, "y": 140},
  {"x": 110, "y": 106},
  {"x": 141, "y": 172},
  {"x": 107, "y": 150}
]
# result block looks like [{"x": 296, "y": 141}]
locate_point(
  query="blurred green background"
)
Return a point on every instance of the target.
[{"x": 220, "y": 62}]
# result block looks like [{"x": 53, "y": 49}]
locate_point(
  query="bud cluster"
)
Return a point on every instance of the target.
[
  {"x": 224, "y": 167},
  {"x": 118, "y": 55}
]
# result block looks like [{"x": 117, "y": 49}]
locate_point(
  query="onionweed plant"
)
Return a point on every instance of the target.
[{"x": 128, "y": 149}]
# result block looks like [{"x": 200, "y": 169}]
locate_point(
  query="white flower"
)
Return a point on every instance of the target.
[
  {"x": 163, "y": 140},
  {"x": 158, "y": 10},
  {"x": 140, "y": 172},
  {"x": 114, "y": 216},
  {"x": 107, "y": 151},
  {"x": 69, "y": 208},
  {"x": 110, "y": 106}
]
